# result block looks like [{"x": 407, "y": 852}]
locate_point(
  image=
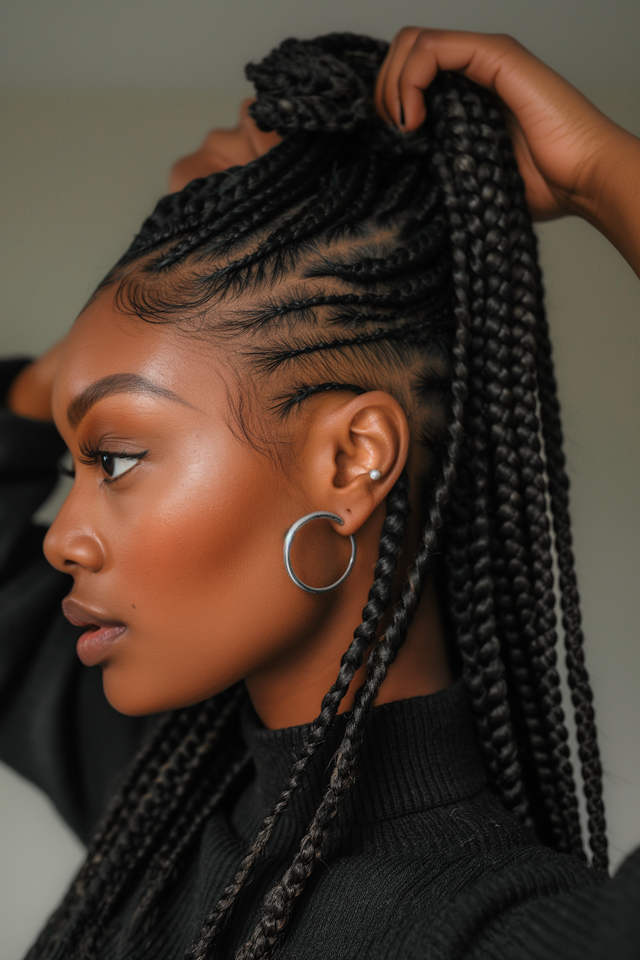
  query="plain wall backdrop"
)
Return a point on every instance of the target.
[{"x": 97, "y": 100}]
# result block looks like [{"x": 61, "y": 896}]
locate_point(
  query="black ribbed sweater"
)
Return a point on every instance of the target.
[{"x": 423, "y": 861}]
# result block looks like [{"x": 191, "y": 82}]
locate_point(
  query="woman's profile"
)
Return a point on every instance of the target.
[{"x": 319, "y": 496}]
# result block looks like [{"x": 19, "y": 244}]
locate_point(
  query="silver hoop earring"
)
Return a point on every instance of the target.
[{"x": 289, "y": 538}]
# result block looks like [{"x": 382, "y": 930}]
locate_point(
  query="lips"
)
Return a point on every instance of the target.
[{"x": 94, "y": 644}]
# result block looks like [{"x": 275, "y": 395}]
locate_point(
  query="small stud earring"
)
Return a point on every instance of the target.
[{"x": 375, "y": 474}]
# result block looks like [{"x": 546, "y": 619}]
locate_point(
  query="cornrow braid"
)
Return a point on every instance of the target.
[
  {"x": 354, "y": 258},
  {"x": 190, "y": 209},
  {"x": 270, "y": 360},
  {"x": 398, "y": 301}
]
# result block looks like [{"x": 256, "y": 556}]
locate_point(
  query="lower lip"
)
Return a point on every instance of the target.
[{"x": 93, "y": 645}]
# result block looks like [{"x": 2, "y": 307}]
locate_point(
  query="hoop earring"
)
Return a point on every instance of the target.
[{"x": 289, "y": 538}]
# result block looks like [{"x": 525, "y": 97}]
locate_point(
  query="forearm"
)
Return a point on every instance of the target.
[{"x": 29, "y": 395}]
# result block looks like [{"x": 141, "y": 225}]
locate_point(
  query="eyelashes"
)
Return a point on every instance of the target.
[{"x": 114, "y": 463}]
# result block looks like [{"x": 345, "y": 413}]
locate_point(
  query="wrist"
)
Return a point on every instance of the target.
[
  {"x": 610, "y": 199},
  {"x": 604, "y": 180}
]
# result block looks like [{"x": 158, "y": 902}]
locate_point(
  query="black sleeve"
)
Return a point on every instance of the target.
[{"x": 56, "y": 727}]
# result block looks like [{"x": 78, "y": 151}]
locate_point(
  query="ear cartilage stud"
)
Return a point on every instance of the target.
[{"x": 375, "y": 474}]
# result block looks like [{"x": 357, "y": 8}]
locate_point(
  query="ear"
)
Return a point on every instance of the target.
[{"x": 344, "y": 441}]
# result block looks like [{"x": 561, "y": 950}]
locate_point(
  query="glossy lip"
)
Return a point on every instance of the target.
[{"x": 94, "y": 643}]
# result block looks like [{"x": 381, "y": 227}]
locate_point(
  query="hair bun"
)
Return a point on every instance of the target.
[{"x": 324, "y": 84}]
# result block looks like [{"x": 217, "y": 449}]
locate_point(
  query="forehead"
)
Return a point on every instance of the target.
[{"x": 105, "y": 342}]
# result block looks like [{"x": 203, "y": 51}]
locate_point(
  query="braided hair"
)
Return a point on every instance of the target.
[{"x": 351, "y": 257}]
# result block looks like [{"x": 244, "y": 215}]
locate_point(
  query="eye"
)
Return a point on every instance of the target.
[
  {"x": 115, "y": 466},
  {"x": 114, "y": 463}
]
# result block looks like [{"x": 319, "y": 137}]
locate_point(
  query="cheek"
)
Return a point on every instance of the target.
[{"x": 203, "y": 586}]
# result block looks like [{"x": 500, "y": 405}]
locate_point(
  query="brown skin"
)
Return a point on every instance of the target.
[
  {"x": 189, "y": 558},
  {"x": 185, "y": 548}
]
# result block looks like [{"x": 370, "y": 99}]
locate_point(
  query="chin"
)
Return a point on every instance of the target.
[{"x": 127, "y": 693}]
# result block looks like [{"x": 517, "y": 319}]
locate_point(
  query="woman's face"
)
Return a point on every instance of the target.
[
  {"x": 174, "y": 528},
  {"x": 173, "y": 531}
]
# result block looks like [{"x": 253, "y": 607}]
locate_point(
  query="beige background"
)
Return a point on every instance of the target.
[{"x": 79, "y": 170}]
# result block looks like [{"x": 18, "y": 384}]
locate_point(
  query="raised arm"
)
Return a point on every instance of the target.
[
  {"x": 573, "y": 159},
  {"x": 56, "y": 727}
]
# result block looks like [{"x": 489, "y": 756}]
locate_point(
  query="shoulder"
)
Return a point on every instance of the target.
[
  {"x": 441, "y": 880},
  {"x": 546, "y": 905}
]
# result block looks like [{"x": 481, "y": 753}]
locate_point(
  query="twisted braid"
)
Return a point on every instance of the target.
[
  {"x": 543, "y": 660},
  {"x": 115, "y": 856},
  {"x": 200, "y": 806},
  {"x": 378, "y": 600},
  {"x": 142, "y": 771},
  {"x": 578, "y": 676}
]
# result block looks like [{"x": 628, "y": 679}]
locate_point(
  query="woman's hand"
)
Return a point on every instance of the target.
[
  {"x": 224, "y": 148},
  {"x": 30, "y": 393},
  {"x": 572, "y": 158},
  {"x": 561, "y": 140}
]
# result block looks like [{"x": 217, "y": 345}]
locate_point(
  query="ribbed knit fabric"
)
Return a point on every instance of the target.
[
  {"x": 447, "y": 767},
  {"x": 423, "y": 862},
  {"x": 419, "y": 828}
]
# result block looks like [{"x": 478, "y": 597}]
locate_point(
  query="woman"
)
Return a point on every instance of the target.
[{"x": 314, "y": 383}]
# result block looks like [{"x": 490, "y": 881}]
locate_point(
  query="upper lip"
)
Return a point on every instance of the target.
[{"x": 81, "y": 616}]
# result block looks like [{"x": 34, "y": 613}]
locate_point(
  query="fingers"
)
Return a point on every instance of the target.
[
  {"x": 387, "y": 94},
  {"x": 416, "y": 55}
]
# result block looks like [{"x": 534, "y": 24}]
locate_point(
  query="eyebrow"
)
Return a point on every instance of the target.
[{"x": 116, "y": 383}]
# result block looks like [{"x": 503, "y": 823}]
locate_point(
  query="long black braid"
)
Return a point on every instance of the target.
[{"x": 351, "y": 257}]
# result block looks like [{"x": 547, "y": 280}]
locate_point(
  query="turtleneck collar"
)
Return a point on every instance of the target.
[{"x": 417, "y": 754}]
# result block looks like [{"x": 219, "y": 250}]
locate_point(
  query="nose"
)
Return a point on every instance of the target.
[{"x": 71, "y": 544}]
